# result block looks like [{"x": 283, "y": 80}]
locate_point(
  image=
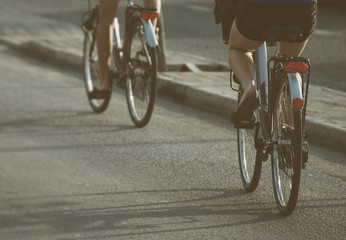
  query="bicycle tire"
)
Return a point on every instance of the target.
[
  {"x": 287, "y": 147},
  {"x": 249, "y": 158},
  {"x": 92, "y": 70},
  {"x": 142, "y": 76}
]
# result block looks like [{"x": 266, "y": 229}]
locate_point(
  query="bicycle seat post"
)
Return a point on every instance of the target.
[{"x": 262, "y": 73}]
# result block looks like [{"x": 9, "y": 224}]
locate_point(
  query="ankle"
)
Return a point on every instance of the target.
[{"x": 249, "y": 90}]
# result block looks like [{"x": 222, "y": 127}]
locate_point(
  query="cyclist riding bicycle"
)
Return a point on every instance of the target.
[
  {"x": 252, "y": 18},
  {"x": 108, "y": 11}
]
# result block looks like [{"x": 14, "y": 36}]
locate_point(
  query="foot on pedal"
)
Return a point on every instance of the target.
[
  {"x": 99, "y": 94},
  {"x": 245, "y": 124},
  {"x": 243, "y": 116}
]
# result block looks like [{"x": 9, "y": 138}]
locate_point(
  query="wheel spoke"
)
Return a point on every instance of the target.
[{"x": 287, "y": 139}]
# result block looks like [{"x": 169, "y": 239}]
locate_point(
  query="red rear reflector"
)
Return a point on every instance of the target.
[
  {"x": 294, "y": 67},
  {"x": 149, "y": 15},
  {"x": 298, "y": 103}
]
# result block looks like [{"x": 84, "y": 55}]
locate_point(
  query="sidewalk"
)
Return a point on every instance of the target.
[{"x": 192, "y": 80}]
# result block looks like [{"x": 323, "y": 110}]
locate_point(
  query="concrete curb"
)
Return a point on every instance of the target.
[
  {"x": 200, "y": 98},
  {"x": 326, "y": 134},
  {"x": 205, "y": 99}
]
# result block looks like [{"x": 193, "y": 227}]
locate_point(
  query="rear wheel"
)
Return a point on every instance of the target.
[
  {"x": 287, "y": 148},
  {"x": 142, "y": 76},
  {"x": 92, "y": 69}
]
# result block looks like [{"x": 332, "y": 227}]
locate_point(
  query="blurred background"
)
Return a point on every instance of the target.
[{"x": 190, "y": 28}]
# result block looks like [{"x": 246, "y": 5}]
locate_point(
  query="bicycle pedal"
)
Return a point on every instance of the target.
[
  {"x": 305, "y": 153},
  {"x": 245, "y": 124}
]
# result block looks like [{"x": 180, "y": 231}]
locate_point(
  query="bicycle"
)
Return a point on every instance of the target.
[
  {"x": 277, "y": 125},
  {"x": 134, "y": 59}
]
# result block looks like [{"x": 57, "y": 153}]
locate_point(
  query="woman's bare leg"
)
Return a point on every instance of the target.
[
  {"x": 241, "y": 62},
  {"x": 108, "y": 11}
]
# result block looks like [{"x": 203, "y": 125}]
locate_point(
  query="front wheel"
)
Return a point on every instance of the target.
[
  {"x": 142, "y": 76},
  {"x": 287, "y": 148}
]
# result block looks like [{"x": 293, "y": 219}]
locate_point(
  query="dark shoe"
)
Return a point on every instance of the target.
[
  {"x": 99, "y": 94},
  {"x": 243, "y": 116}
]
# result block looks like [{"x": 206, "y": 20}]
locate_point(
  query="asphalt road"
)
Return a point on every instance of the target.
[
  {"x": 67, "y": 173},
  {"x": 190, "y": 28}
]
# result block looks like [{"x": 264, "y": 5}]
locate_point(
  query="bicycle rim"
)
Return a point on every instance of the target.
[
  {"x": 250, "y": 163},
  {"x": 287, "y": 151},
  {"x": 142, "y": 77},
  {"x": 92, "y": 71}
]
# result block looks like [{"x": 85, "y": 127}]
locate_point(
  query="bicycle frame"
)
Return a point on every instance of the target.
[
  {"x": 132, "y": 10},
  {"x": 265, "y": 91},
  {"x": 261, "y": 76}
]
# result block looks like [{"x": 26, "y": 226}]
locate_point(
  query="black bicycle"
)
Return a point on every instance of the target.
[{"x": 135, "y": 60}]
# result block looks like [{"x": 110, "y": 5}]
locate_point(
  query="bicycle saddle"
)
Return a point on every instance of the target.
[{"x": 278, "y": 33}]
